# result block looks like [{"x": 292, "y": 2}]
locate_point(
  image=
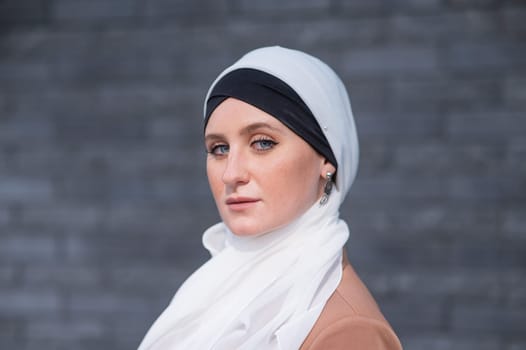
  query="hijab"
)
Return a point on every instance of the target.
[
  {"x": 267, "y": 291},
  {"x": 273, "y": 96}
]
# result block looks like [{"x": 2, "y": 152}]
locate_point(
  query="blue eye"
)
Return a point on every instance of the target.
[
  {"x": 263, "y": 144},
  {"x": 219, "y": 150}
]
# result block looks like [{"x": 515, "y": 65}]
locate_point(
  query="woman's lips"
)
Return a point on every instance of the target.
[{"x": 241, "y": 203}]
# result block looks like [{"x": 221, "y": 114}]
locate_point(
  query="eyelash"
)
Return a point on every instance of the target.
[
  {"x": 213, "y": 150},
  {"x": 259, "y": 141}
]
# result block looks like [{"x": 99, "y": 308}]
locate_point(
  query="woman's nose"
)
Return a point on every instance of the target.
[{"x": 235, "y": 171}]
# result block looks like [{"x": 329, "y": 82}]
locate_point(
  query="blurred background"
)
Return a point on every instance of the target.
[{"x": 103, "y": 193}]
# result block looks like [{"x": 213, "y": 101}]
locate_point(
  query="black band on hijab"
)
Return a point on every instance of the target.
[{"x": 275, "y": 97}]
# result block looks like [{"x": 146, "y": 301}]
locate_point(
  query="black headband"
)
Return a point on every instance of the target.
[{"x": 275, "y": 97}]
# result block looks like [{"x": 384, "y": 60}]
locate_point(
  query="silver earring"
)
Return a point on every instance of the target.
[{"x": 327, "y": 189}]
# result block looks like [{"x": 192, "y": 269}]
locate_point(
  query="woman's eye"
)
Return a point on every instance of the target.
[
  {"x": 219, "y": 150},
  {"x": 263, "y": 145}
]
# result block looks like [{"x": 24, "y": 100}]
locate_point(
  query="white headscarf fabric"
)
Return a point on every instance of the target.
[{"x": 266, "y": 292}]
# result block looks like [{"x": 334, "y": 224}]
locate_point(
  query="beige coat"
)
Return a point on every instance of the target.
[{"x": 351, "y": 320}]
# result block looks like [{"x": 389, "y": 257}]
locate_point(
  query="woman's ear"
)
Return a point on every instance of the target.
[{"x": 327, "y": 168}]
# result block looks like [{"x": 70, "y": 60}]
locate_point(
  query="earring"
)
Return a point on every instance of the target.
[{"x": 327, "y": 189}]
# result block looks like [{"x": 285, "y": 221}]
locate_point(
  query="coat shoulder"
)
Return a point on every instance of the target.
[{"x": 351, "y": 319}]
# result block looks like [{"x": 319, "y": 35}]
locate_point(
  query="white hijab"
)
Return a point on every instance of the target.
[{"x": 266, "y": 292}]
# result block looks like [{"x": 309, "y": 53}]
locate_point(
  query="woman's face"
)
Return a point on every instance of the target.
[{"x": 262, "y": 175}]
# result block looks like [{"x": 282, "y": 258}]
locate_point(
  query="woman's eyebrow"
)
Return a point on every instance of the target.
[
  {"x": 214, "y": 137},
  {"x": 251, "y": 128},
  {"x": 257, "y": 126}
]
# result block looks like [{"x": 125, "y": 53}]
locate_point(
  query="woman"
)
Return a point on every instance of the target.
[{"x": 282, "y": 154}]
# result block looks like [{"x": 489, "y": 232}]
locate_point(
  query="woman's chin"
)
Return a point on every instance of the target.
[{"x": 246, "y": 229}]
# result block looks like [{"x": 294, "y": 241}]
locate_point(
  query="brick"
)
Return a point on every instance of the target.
[
  {"x": 516, "y": 344},
  {"x": 29, "y": 302},
  {"x": 416, "y": 4},
  {"x": 71, "y": 277},
  {"x": 389, "y": 60},
  {"x": 277, "y": 7},
  {"x": 470, "y": 57},
  {"x": 178, "y": 130},
  {"x": 379, "y": 7},
  {"x": 22, "y": 247},
  {"x": 10, "y": 329},
  {"x": 170, "y": 219},
  {"x": 79, "y": 218},
  {"x": 77, "y": 344},
  {"x": 375, "y": 254},
  {"x": 515, "y": 285},
  {"x": 426, "y": 315},
  {"x": 490, "y": 319},
  {"x": 160, "y": 160},
  {"x": 5, "y": 102},
  {"x": 107, "y": 305},
  {"x": 129, "y": 334},
  {"x": 23, "y": 74},
  {"x": 196, "y": 9},
  {"x": 81, "y": 128},
  {"x": 471, "y": 3},
  {"x": 486, "y": 253},
  {"x": 100, "y": 187},
  {"x": 22, "y": 12},
  {"x": 330, "y": 32},
  {"x": 168, "y": 190},
  {"x": 433, "y": 220},
  {"x": 515, "y": 153},
  {"x": 203, "y": 66},
  {"x": 7, "y": 276},
  {"x": 5, "y": 159},
  {"x": 127, "y": 101},
  {"x": 140, "y": 278},
  {"x": 444, "y": 341},
  {"x": 103, "y": 102},
  {"x": 431, "y": 95},
  {"x": 26, "y": 130},
  {"x": 369, "y": 7},
  {"x": 514, "y": 223},
  {"x": 4, "y": 216},
  {"x": 410, "y": 126},
  {"x": 375, "y": 158},
  {"x": 447, "y": 159},
  {"x": 406, "y": 187},
  {"x": 425, "y": 95},
  {"x": 434, "y": 253},
  {"x": 321, "y": 37},
  {"x": 20, "y": 189},
  {"x": 512, "y": 21},
  {"x": 486, "y": 187},
  {"x": 11, "y": 343},
  {"x": 368, "y": 97},
  {"x": 497, "y": 124},
  {"x": 39, "y": 45},
  {"x": 435, "y": 27},
  {"x": 92, "y": 10},
  {"x": 465, "y": 283},
  {"x": 170, "y": 249},
  {"x": 28, "y": 159},
  {"x": 64, "y": 330},
  {"x": 99, "y": 67},
  {"x": 515, "y": 91}
]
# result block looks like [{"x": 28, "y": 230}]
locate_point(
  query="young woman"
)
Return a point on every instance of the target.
[{"x": 282, "y": 154}]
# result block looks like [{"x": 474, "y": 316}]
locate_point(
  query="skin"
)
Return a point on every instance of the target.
[{"x": 262, "y": 175}]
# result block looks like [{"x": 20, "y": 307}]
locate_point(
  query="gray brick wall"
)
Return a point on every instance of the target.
[{"x": 103, "y": 194}]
